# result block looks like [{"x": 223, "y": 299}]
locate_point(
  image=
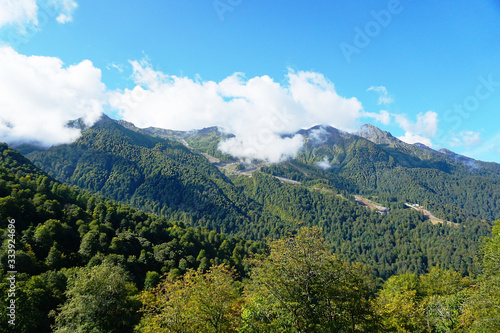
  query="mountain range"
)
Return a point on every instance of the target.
[
  {"x": 374, "y": 163},
  {"x": 184, "y": 177}
]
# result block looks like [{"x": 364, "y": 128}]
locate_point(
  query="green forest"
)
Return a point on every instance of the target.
[
  {"x": 123, "y": 231},
  {"x": 164, "y": 178},
  {"x": 62, "y": 232}
]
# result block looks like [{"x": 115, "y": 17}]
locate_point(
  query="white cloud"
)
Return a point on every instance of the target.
[
  {"x": 471, "y": 138},
  {"x": 66, "y": 8},
  {"x": 38, "y": 96},
  {"x": 117, "y": 67},
  {"x": 22, "y": 13},
  {"x": 383, "y": 95},
  {"x": 383, "y": 116},
  {"x": 420, "y": 131},
  {"x": 18, "y": 12},
  {"x": 267, "y": 146},
  {"x": 426, "y": 123},
  {"x": 325, "y": 164},
  {"x": 256, "y": 110},
  {"x": 63, "y": 18},
  {"x": 318, "y": 136},
  {"x": 319, "y": 101},
  {"x": 415, "y": 138},
  {"x": 466, "y": 138}
]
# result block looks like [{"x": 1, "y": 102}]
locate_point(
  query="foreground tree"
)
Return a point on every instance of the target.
[
  {"x": 445, "y": 293},
  {"x": 197, "y": 302},
  {"x": 100, "y": 299},
  {"x": 429, "y": 303},
  {"x": 399, "y": 304},
  {"x": 482, "y": 311},
  {"x": 302, "y": 287}
]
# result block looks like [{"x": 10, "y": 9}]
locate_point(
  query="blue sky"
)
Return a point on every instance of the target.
[{"x": 427, "y": 71}]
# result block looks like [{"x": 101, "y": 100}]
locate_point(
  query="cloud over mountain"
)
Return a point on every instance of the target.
[
  {"x": 38, "y": 96},
  {"x": 256, "y": 110},
  {"x": 422, "y": 130}
]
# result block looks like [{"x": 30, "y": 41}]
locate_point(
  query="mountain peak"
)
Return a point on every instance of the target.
[
  {"x": 422, "y": 146},
  {"x": 318, "y": 128},
  {"x": 207, "y": 130},
  {"x": 320, "y": 134},
  {"x": 374, "y": 134},
  {"x": 104, "y": 120}
]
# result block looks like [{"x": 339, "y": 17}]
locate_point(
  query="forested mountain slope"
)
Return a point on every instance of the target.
[
  {"x": 454, "y": 187},
  {"x": 164, "y": 177},
  {"x": 373, "y": 163},
  {"x": 59, "y": 228},
  {"x": 153, "y": 174},
  {"x": 82, "y": 260},
  {"x": 393, "y": 243},
  {"x": 206, "y": 139}
]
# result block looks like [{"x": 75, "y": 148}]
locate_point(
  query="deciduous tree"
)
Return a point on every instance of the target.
[
  {"x": 197, "y": 302},
  {"x": 302, "y": 287},
  {"x": 100, "y": 299}
]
